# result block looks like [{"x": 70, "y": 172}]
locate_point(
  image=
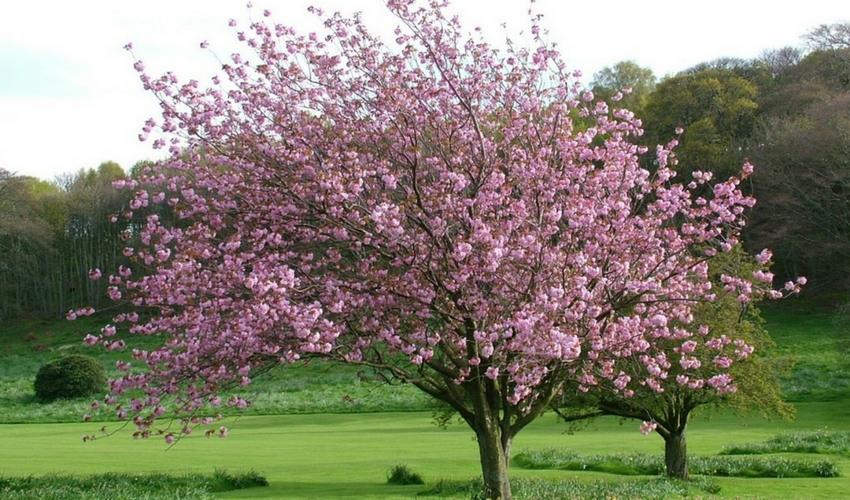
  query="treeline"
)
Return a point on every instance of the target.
[
  {"x": 52, "y": 234},
  {"x": 787, "y": 111}
]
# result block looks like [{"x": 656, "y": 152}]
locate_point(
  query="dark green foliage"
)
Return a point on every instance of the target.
[
  {"x": 401, "y": 475},
  {"x": 113, "y": 486},
  {"x": 52, "y": 233},
  {"x": 650, "y": 465},
  {"x": 69, "y": 377}
]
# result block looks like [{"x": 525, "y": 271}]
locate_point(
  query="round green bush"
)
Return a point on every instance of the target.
[{"x": 72, "y": 376}]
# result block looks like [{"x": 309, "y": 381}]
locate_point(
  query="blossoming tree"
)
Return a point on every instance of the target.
[
  {"x": 427, "y": 207},
  {"x": 695, "y": 373}
]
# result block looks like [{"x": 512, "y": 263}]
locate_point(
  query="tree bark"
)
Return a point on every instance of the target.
[
  {"x": 676, "y": 454},
  {"x": 494, "y": 451}
]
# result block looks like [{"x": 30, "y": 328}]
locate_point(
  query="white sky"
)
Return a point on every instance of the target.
[{"x": 70, "y": 99}]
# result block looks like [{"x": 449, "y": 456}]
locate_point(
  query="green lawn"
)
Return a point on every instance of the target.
[
  {"x": 348, "y": 456},
  {"x": 342, "y": 432}
]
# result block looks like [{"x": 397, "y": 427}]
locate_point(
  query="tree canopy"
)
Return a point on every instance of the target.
[{"x": 728, "y": 334}]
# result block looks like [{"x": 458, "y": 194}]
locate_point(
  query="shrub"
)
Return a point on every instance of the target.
[
  {"x": 72, "y": 376},
  {"x": 402, "y": 475},
  {"x": 224, "y": 481}
]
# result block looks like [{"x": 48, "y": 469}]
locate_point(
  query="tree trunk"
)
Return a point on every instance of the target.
[
  {"x": 676, "y": 454},
  {"x": 494, "y": 451}
]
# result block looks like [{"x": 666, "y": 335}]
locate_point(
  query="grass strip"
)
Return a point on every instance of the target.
[
  {"x": 639, "y": 464},
  {"x": 547, "y": 489},
  {"x": 115, "y": 486},
  {"x": 820, "y": 441}
]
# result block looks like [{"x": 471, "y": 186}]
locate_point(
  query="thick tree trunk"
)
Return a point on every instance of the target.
[
  {"x": 676, "y": 454},
  {"x": 494, "y": 450}
]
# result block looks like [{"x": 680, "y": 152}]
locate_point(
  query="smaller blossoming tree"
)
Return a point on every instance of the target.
[{"x": 722, "y": 364}]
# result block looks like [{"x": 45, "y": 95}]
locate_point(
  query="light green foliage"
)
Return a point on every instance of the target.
[
  {"x": 715, "y": 107},
  {"x": 758, "y": 376},
  {"x": 625, "y": 74}
]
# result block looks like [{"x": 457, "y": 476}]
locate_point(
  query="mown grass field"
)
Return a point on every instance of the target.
[
  {"x": 327, "y": 445},
  {"x": 348, "y": 455}
]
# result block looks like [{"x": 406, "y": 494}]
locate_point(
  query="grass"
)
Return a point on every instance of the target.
[
  {"x": 805, "y": 330},
  {"x": 546, "y": 489},
  {"x": 348, "y": 456},
  {"x": 316, "y": 387},
  {"x": 337, "y": 439}
]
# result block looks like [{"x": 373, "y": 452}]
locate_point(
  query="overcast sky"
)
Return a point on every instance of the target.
[{"x": 70, "y": 99}]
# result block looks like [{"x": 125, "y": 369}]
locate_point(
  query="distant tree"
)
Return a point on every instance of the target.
[
  {"x": 717, "y": 110},
  {"x": 25, "y": 245},
  {"x": 826, "y": 37},
  {"x": 729, "y": 335},
  {"x": 830, "y": 68},
  {"x": 628, "y": 78},
  {"x": 780, "y": 60},
  {"x": 427, "y": 209},
  {"x": 90, "y": 239}
]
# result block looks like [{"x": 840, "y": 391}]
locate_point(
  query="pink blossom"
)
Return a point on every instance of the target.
[
  {"x": 689, "y": 346},
  {"x": 647, "y": 427}
]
